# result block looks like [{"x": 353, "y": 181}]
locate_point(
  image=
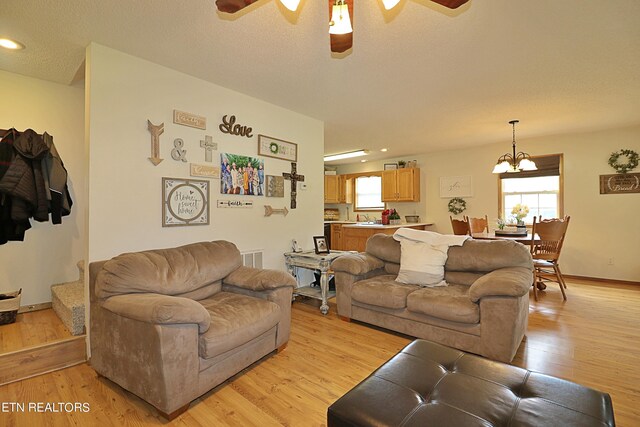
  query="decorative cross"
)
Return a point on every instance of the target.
[
  {"x": 156, "y": 131},
  {"x": 294, "y": 178},
  {"x": 208, "y": 146}
]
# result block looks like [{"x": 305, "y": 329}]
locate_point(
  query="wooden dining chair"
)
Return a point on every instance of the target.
[
  {"x": 460, "y": 227},
  {"x": 478, "y": 225},
  {"x": 545, "y": 251}
]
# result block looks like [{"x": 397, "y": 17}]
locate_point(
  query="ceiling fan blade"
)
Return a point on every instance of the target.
[
  {"x": 232, "y": 6},
  {"x": 451, "y": 4},
  {"x": 341, "y": 42}
]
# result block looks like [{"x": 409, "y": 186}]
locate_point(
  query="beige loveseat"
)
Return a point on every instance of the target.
[
  {"x": 170, "y": 324},
  {"x": 483, "y": 310}
]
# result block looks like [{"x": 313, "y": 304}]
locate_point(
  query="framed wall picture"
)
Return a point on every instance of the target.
[
  {"x": 184, "y": 202},
  {"x": 241, "y": 175},
  {"x": 320, "y": 244},
  {"x": 277, "y": 148},
  {"x": 275, "y": 186},
  {"x": 390, "y": 166},
  {"x": 456, "y": 186}
]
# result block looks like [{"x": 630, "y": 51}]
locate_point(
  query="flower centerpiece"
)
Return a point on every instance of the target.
[
  {"x": 519, "y": 212},
  {"x": 394, "y": 216}
]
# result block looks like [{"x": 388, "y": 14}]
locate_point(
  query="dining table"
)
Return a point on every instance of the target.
[{"x": 525, "y": 240}]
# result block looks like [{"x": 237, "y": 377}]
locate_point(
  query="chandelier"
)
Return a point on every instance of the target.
[
  {"x": 340, "y": 12},
  {"x": 511, "y": 163}
]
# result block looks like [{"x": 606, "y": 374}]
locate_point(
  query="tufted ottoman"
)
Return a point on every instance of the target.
[{"x": 428, "y": 384}]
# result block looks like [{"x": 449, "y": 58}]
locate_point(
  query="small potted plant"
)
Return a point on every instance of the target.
[
  {"x": 501, "y": 223},
  {"x": 401, "y": 164},
  {"x": 394, "y": 217}
]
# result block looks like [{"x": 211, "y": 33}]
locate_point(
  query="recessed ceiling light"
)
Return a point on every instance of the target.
[
  {"x": 362, "y": 161},
  {"x": 11, "y": 44},
  {"x": 384, "y": 150}
]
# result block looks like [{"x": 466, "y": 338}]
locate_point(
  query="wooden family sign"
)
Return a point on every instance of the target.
[{"x": 620, "y": 183}]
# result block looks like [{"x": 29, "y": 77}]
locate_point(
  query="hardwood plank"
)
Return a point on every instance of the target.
[
  {"x": 31, "y": 329},
  {"x": 33, "y": 361},
  {"x": 591, "y": 339}
]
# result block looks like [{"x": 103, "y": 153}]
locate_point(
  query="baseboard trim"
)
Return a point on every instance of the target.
[
  {"x": 30, "y": 362},
  {"x": 35, "y": 307},
  {"x": 602, "y": 280}
]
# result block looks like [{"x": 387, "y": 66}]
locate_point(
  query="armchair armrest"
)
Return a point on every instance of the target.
[
  {"x": 509, "y": 281},
  {"x": 159, "y": 309},
  {"x": 356, "y": 264},
  {"x": 257, "y": 279}
]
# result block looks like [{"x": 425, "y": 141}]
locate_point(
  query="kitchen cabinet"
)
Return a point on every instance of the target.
[
  {"x": 401, "y": 185},
  {"x": 331, "y": 189},
  {"x": 354, "y": 237},
  {"x": 345, "y": 189},
  {"x": 336, "y": 237},
  {"x": 338, "y": 189}
]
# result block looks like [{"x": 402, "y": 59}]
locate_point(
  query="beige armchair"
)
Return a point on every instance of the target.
[{"x": 171, "y": 324}]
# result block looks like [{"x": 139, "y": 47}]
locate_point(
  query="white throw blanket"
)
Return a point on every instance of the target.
[{"x": 423, "y": 256}]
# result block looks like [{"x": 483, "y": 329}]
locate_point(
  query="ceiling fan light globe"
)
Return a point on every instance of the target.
[
  {"x": 390, "y": 4},
  {"x": 340, "y": 21},
  {"x": 292, "y": 5},
  {"x": 502, "y": 167},
  {"x": 527, "y": 165}
]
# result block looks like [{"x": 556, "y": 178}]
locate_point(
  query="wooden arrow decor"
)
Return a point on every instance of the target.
[{"x": 268, "y": 211}]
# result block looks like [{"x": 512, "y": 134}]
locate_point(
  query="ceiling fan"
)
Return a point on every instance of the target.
[{"x": 340, "y": 11}]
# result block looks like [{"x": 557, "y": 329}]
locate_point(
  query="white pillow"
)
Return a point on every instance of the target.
[{"x": 422, "y": 264}]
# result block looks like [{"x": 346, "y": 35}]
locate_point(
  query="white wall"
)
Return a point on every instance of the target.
[
  {"x": 49, "y": 252},
  {"x": 601, "y": 227},
  {"x": 125, "y": 194}
]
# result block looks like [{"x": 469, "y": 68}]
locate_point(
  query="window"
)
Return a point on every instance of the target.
[
  {"x": 540, "y": 190},
  {"x": 368, "y": 191}
]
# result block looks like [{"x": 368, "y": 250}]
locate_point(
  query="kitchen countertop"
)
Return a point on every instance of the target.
[
  {"x": 380, "y": 226},
  {"x": 339, "y": 222}
]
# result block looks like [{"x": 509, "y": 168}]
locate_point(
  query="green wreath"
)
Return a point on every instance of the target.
[
  {"x": 273, "y": 147},
  {"x": 631, "y": 164},
  {"x": 457, "y": 205}
]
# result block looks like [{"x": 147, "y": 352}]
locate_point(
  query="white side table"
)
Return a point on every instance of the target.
[{"x": 312, "y": 261}]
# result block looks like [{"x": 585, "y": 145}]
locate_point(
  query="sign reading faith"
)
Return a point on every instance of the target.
[
  {"x": 294, "y": 178},
  {"x": 620, "y": 183},
  {"x": 188, "y": 119},
  {"x": 234, "y": 204},
  {"x": 208, "y": 146}
]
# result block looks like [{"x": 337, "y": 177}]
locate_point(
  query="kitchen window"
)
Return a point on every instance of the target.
[
  {"x": 540, "y": 190},
  {"x": 368, "y": 193}
]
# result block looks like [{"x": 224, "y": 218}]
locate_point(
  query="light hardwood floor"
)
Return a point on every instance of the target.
[
  {"x": 31, "y": 329},
  {"x": 593, "y": 339}
]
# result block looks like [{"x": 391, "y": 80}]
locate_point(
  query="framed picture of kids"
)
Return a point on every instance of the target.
[
  {"x": 320, "y": 243},
  {"x": 242, "y": 175}
]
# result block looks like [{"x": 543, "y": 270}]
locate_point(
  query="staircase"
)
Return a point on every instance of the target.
[{"x": 68, "y": 302}]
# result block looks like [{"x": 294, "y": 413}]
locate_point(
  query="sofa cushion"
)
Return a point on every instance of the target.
[
  {"x": 171, "y": 271},
  {"x": 382, "y": 291},
  {"x": 449, "y": 303},
  {"x": 422, "y": 264},
  {"x": 488, "y": 255},
  {"x": 235, "y": 319}
]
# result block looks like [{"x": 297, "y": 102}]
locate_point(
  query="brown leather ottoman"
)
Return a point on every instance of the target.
[{"x": 428, "y": 384}]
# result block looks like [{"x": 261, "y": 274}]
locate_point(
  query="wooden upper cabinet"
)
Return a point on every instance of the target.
[
  {"x": 345, "y": 189},
  {"x": 401, "y": 185},
  {"x": 331, "y": 189}
]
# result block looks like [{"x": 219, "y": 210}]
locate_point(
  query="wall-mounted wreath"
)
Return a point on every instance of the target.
[
  {"x": 457, "y": 205},
  {"x": 629, "y": 165}
]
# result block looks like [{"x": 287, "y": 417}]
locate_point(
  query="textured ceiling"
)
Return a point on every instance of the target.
[{"x": 420, "y": 78}]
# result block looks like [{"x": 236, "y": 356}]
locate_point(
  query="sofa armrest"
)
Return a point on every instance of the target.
[
  {"x": 509, "y": 281},
  {"x": 159, "y": 309},
  {"x": 356, "y": 264},
  {"x": 258, "y": 279}
]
